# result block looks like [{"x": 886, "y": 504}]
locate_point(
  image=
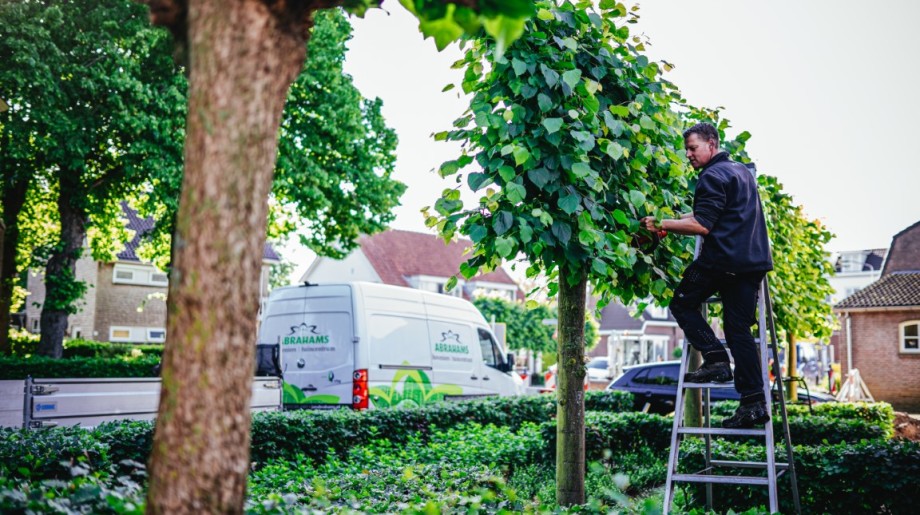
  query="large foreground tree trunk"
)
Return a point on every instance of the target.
[
  {"x": 242, "y": 58},
  {"x": 570, "y": 412},
  {"x": 14, "y": 197},
  {"x": 61, "y": 287}
]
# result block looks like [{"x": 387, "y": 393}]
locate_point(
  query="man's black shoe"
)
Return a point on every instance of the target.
[
  {"x": 748, "y": 416},
  {"x": 710, "y": 373}
]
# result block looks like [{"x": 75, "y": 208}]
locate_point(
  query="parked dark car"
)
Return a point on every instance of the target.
[{"x": 655, "y": 384}]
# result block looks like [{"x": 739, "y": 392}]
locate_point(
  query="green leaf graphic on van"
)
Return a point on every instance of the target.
[
  {"x": 416, "y": 390},
  {"x": 294, "y": 395}
]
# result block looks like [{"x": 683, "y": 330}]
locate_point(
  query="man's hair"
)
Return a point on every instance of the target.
[{"x": 705, "y": 131}]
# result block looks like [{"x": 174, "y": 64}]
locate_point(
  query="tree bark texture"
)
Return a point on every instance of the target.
[
  {"x": 14, "y": 197},
  {"x": 792, "y": 387},
  {"x": 570, "y": 390},
  {"x": 60, "y": 272},
  {"x": 693, "y": 397},
  {"x": 242, "y": 57}
]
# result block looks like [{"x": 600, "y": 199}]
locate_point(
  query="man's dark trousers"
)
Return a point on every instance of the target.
[{"x": 739, "y": 303}]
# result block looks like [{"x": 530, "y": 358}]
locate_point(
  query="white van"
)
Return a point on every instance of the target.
[{"x": 366, "y": 345}]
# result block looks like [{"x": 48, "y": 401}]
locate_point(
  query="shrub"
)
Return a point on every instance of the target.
[
  {"x": 49, "y": 454},
  {"x": 93, "y": 349},
  {"x": 40, "y": 366},
  {"x": 23, "y": 342},
  {"x": 611, "y": 434},
  {"x": 864, "y": 477}
]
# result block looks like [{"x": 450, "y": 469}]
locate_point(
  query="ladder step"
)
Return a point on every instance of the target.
[
  {"x": 746, "y": 464},
  {"x": 733, "y": 480},
  {"x": 709, "y": 385},
  {"x": 713, "y": 300},
  {"x": 720, "y": 431},
  {"x": 723, "y": 341}
]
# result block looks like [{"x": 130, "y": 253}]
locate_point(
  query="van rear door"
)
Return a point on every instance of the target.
[{"x": 314, "y": 326}]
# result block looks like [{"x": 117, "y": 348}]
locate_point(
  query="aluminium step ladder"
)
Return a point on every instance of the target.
[{"x": 774, "y": 469}]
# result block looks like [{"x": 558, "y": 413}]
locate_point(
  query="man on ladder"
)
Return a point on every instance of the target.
[{"x": 734, "y": 258}]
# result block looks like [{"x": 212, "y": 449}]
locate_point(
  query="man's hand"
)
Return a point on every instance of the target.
[{"x": 650, "y": 223}]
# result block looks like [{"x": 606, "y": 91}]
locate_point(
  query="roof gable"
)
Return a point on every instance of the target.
[
  {"x": 396, "y": 255},
  {"x": 904, "y": 254}
]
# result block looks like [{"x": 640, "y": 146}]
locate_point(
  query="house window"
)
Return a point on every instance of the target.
[
  {"x": 910, "y": 336},
  {"x": 156, "y": 335},
  {"x": 139, "y": 275},
  {"x": 76, "y": 332},
  {"x": 35, "y": 324},
  {"x": 120, "y": 334}
]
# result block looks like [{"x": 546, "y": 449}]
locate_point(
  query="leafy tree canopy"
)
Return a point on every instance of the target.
[{"x": 574, "y": 139}]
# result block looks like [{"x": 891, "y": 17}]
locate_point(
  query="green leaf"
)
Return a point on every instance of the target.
[
  {"x": 502, "y": 221},
  {"x": 545, "y": 15},
  {"x": 552, "y": 124},
  {"x": 621, "y": 111},
  {"x": 478, "y": 232},
  {"x": 444, "y": 30},
  {"x": 562, "y": 231},
  {"x": 539, "y": 176},
  {"x": 568, "y": 203},
  {"x": 515, "y": 192},
  {"x": 505, "y": 30},
  {"x": 637, "y": 198},
  {"x": 526, "y": 233},
  {"x": 550, "y": 75},
  {"x": 507, "y": 173},
  {"x": 519, "y": 66},
  {"x": 646, "y": 123},
  {"x": 620, "y": 216},
  {"x": 448, "y": 87},
  {"x": 544, "y": 102},
  {"x": 468, "y": 271},
  {"x": 477, "y": 180},
  {"x": 615, "y": 150},
  {"x": 448, "y": 168},
  {"x": 581, "y": 170},
  {"x": 572, "y": 77},
  {"x": 451, "y": 282},
  {"x": 521, "y": 155},
  {"x": 599, "y": 267},
  {"x": 504, "y": 246}
]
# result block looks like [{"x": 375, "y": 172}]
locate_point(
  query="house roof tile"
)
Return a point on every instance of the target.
[
  {"x": 396, "y": 255},
  {"x": 899, "y": 289}
]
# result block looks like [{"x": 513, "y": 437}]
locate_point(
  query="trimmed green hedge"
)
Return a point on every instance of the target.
[
  {"x": 863, "y": 477},
  {"x": 25, "y": 344},
  {"x": 880, "y": 413},
  {"x": 39, "y": 366}
]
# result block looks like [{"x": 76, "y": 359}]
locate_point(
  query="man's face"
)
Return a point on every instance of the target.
[{"x": 699, "y": 151}]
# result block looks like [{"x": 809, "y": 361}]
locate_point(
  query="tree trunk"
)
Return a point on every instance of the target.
[
  {"x": 61, "y": 290},
  {"x": 14, "y": 197},
  {"x": 792, "y": 387},
  {"x": 693, "y": 397},
  {"x": 570, "y": 411},
  {"x": 243, "y": 57}
]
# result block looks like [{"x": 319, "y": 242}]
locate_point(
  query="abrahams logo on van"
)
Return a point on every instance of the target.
[
  {"x": 450, "y": 342},
  {"x": 304, "y": 334}
]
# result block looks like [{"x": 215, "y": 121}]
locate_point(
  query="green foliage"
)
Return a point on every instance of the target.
[
  {"x": 574, "y": 139},
  {"x": 333, "y": 176},
  {"x": 525, "y": 328},
  {"x": 862, "y": 477},
  {"x": 22, "y": 342},
  {"x": 14, "y": 367},
  {"x": 874, "y": 413},
  {"x": 799, "y": 284},
  {"x": 26, "y": 343},
  {"x": 280, "y": 274}
]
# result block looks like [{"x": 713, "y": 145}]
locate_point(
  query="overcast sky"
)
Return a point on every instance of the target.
[{"x": 828, "y": 88}]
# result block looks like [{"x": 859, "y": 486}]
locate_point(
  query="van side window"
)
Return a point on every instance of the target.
[{"x": 491, "y": 356}]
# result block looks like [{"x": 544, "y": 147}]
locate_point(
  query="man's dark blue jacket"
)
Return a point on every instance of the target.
[{"x": 726, "y": 203}]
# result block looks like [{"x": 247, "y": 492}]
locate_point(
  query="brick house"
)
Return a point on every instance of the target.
[
  {"x": 125, "y": 300},
  {"x": 880, "y": 326},
  {"x": 414, "y": 260}
]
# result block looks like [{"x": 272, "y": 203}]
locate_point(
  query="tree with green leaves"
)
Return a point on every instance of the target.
[
  {"x": 524, "y": 326},
  {"x": 799, "y": 284},
  {"x": 86, "y": 83},
  {"x": 242, "y": 59},
  {"x": 336, "y": 155},
  {"x": 574, "y": 139}
]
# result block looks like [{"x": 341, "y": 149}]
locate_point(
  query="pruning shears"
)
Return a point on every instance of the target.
[{"x": 648, "y": 241}]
